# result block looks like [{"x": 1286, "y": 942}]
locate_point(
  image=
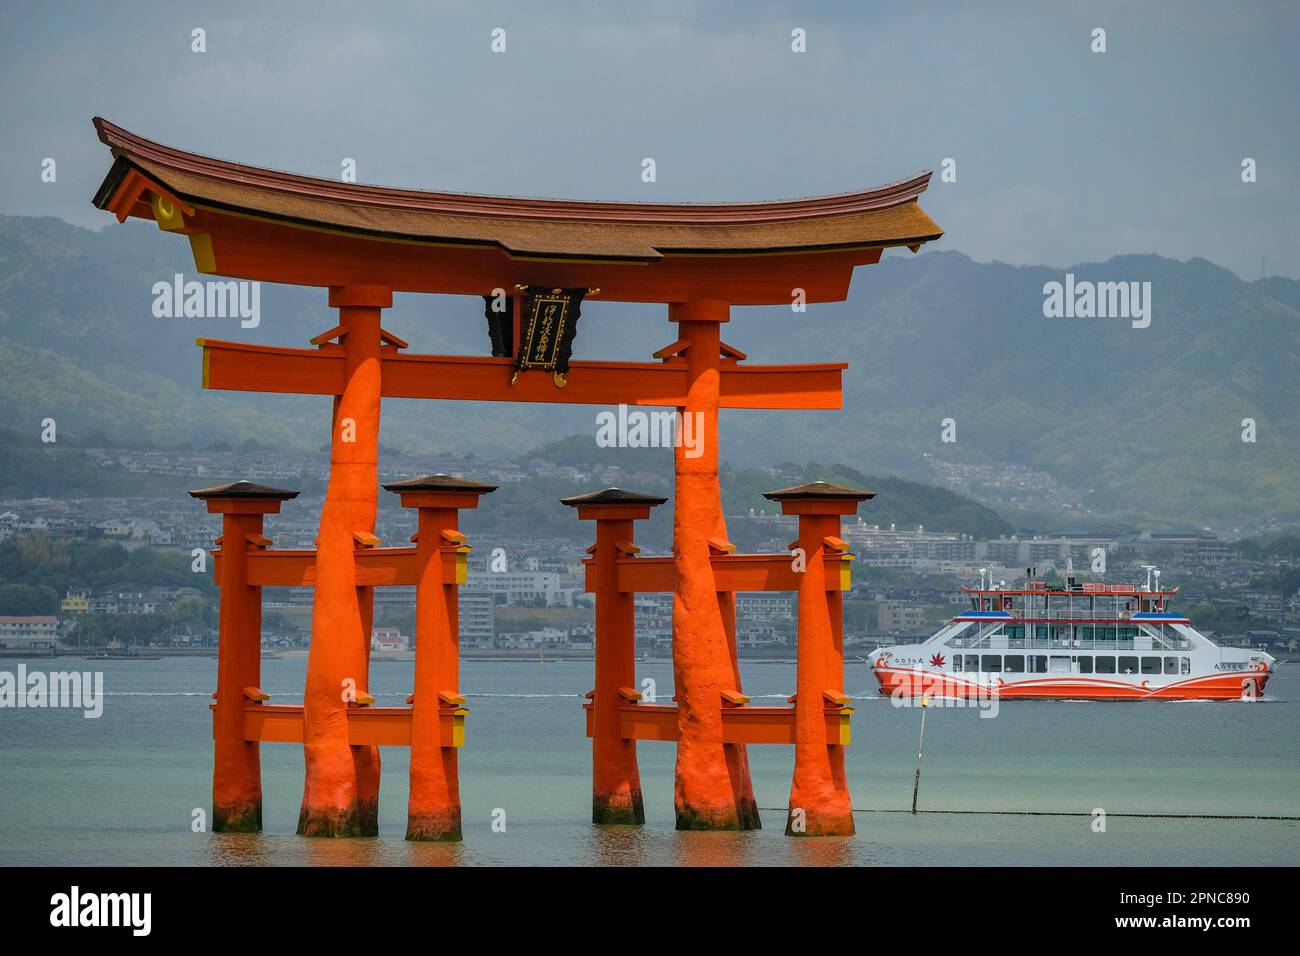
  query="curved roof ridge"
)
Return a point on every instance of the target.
[{"x": 125, "y": 144}]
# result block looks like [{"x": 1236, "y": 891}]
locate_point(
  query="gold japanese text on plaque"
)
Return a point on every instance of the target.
[{"x": 549, "y": 321}]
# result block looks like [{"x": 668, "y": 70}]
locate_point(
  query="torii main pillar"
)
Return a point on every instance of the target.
[
  {"x": 341, "y": 789},
  {"x": 712, "y": 789}
]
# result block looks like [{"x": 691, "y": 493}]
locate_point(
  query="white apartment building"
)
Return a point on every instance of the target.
[{"x": 29, "y": 632}]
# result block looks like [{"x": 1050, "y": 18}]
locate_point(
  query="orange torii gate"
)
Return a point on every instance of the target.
[{"x": 363, "y": 243}]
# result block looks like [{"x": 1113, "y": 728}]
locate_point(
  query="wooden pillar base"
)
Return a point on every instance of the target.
[
  {"x": 433, "y": 810},
  {"x": 366, "y": 762},
  {"x": 435, "y": 826},
  {"x": 329, "y": 803},
  {"x": 329, "y": 823},
  {"x": 742, "y": 815},
  {"x": 834, "y": 820},
  {"x": 244, "y": 817},
  {"x": 709, "y": 795},
  {"x": 236, "y": 787},
  {"x": 717, "y": 781},
  {"x": 616, "y": 783},
  {"x": 618, "y": 809},
  {"x": 746, "y": 805}
]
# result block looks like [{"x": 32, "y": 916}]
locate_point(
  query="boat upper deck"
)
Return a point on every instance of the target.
[{"x": 1087, "y": 602}]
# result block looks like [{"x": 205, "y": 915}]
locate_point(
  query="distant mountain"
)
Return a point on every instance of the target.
[
  {"x": 1147, "y": 421},
  {"x": 897, "y": 501}
]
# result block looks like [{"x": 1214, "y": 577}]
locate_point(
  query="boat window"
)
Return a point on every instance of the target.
[
  {"x": 1014, "y": 662},
  {"x": 1105, "y": 665},
  {"x": 1186, "y": 667},
  {"x": 1150, "y": 665},
  {"x": 972, "y": 663},
  {"x": 1085, "y": 665},
  {"x": 991, "y": 663},
  {"x": 1015, "y": 632},
  {"x": 956, "y": 662},
  {"x": 1037, "y": 664},
  {"x": 1085, "y": 632},
  {"x": 1128, "y": 665},
  {"x": 1060, "y": 665},
  {"x": 1171, "y": 665},
  {"x": 1040, "y": 632}
]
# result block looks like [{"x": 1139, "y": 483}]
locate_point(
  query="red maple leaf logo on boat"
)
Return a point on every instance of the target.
[{"x": 936, "y": 661}]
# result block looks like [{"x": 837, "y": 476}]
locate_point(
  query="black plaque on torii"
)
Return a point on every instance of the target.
[{"x": 548, "y": 324}]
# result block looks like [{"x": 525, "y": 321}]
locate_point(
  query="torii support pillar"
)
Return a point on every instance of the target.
[
  {"x": 819, "y": 794},
  {"x": 712, "y": 789},
  {"x": 236, "y": 762},
  {"x": 341, "y": 789},
  {"x": 433, "y": 809},
  {"x": 615, "y": 779}
]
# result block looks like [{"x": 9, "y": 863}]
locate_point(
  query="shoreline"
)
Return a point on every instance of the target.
[{"x": 500, "y": 655}]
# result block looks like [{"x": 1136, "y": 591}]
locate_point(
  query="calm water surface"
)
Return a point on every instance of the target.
[{"x": 122, "y": 789}]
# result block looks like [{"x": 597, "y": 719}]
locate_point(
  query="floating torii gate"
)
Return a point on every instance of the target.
[{"x": 363, "y": 243}]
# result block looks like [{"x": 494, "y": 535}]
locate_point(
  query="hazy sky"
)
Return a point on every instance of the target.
[{"x": 1063, "y": 155}]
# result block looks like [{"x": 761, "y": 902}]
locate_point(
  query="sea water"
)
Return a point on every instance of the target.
[{"x": 125, "y": 788}]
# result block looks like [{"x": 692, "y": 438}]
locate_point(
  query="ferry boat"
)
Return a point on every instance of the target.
[{"x": 1076, "y": 641}]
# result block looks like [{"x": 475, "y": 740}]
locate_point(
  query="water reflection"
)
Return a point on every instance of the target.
[
  {"x": 426, "y": 853},
  {"x": 241, "y": 849},
  {"x": 709, "y": 848},
  {"x": 824, "y": 851},
  {"x": 621, "y": 846},
  {"x": 342, "y": 851},
  {"x": 653, "y": 845}
]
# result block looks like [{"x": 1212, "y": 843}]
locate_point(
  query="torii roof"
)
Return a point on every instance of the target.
[
  {"x": 243, "y": 489},
  {"x": 612, "y": 496},
  {"x": 854, "y": 226},
  {"x": 440, "y": 482},
  {"x": 818, "y": 489}
]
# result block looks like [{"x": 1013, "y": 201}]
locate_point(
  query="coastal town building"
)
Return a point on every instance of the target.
[
  {"x": 75, "y": 602},
  {"x": 477, "y": 628},
  {"x": 387, "y": 639},
  {"x": 30, "y": 632}
]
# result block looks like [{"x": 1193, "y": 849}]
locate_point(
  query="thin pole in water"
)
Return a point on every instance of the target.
[{"x": 920, "y": 744}]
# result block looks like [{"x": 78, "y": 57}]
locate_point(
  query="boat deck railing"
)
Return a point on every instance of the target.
[
  {"x": 1071, "y": 614},
  {"x": 985, "y": 642}
]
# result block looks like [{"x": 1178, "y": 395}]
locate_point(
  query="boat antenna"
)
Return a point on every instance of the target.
[{"x": 1148, "y": 568}]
